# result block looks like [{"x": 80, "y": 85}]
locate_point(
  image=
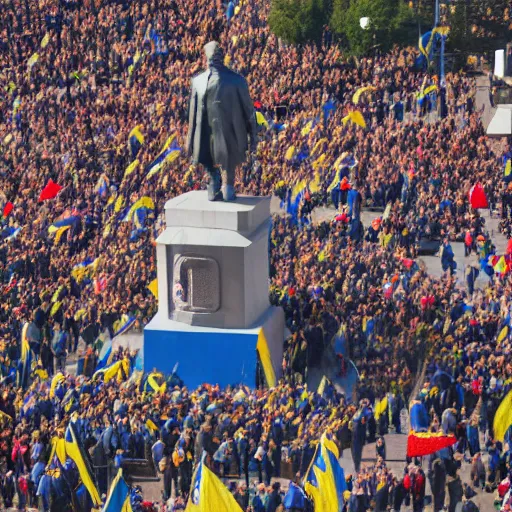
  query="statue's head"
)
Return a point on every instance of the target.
[{"x": 214, "y": 53}]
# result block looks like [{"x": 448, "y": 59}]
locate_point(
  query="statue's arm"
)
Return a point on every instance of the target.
[
  {"x": 249, "y": 114},
  {"x": 192, "y": 105}
]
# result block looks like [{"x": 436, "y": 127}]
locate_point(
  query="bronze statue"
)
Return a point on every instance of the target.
[{"x": 221, "y": 120}]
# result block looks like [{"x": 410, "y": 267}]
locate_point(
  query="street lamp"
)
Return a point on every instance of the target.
[{"x": 364, "y": 22}]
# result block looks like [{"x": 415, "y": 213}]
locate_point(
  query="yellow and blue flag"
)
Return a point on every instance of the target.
[
  {"x": 143, "y": 202},
  {"x": 25, "y": 359},
  {"x": 101, "y": 187},
  {"x": 169, "y": 153},
  {"x": 153, "y": 381},
  {"x": 61, "y": 223},
  {"x": 209, "y": 494},
  {"x": 325, "y": 479},
  {"x": 131, "y": 168},
  {"x": 119, "y": 369},
  {"x": 308, "y": 127},
  {"x": 135, "y": 140},
  {"x": 118, "y": 499},
  {"x": 123, "y": 324},
  {"x": 85, "y": 269},
  {"x": 507, "y": 168},
  {"x": 75, "y": 452},
  {"x": 56, "y": 380}
]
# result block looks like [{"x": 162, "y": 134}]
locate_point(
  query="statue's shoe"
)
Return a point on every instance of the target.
[
  {"x": 228, "y": 193},
  {"x": 214, "y": 191}
]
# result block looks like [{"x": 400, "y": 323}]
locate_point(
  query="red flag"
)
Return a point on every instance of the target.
[
  {"x": 100, "y": 285},
  {"x": 477, "y": 197},
  {"x": 425, "y": 443},
  {"x": 8, "y": 209},
  {"x": 50, "y": 191}
]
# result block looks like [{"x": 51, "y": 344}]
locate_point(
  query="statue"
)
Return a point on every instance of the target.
[{"x": 221, "y": 120}]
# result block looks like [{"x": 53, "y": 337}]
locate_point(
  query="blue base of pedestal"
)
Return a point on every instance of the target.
[{"x": 216, "y": 356}]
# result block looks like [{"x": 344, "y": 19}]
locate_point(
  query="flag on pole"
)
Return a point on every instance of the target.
[
  {"x": 209, "y": 494},
  {"x": 325, "y": 479}
]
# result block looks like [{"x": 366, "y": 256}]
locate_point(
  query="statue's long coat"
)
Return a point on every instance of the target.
[{"x": 221, "y": 118}]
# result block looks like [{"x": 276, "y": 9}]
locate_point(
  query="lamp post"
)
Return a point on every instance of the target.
[{"x": 365, "y": 23}]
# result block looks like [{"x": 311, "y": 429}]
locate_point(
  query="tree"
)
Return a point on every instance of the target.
[
  {"x": 298, "y": 21},
  {"x": 478, "y": 25},
  {"x": 382, "y": 14}
]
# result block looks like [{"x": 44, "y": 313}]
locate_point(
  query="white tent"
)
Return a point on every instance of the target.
[{"x": 501, "y": 123}]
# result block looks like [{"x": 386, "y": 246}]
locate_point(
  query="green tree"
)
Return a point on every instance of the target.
[
  {"x": 478, "y": 26},
  {"x": 298, "y": 21},
  {"x": 382, "y": 14}
]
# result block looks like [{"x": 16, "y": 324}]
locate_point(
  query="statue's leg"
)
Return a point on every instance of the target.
[
  {"x": 228, "y": 189},
  {"x": 214, "y": 192}
]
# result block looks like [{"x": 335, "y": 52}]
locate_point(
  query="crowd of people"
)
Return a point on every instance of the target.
[{"x": 92, "y": 90}]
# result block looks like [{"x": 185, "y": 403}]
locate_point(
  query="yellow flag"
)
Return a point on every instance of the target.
[
  {"x": 317, "y": 146},
  {"x": 319, "y": 162},
  {"x": 153, "y": 287},
  {"x": 5, "y": 416},
  {"x": 31, "y": 62},
  {"x": 74, "y": 453},
  {"x": 289, "y": 153},
  {"x": 355, "y": 117},
  {"x": 132, "y": 167},
  {"x": 260, "y": 119},
  {"x": 503, "y": 418},
  {"x": 314, "y": 186},
  {"x": 119, "y": 204},
  {"x": 357, "y": 95},
  {"x": 307, "y": 128},
  {"x": 111, "y": 372},
  {"x": 358, "y": 118},
  {"x": 59, "y": 234},
  {"x": 381, "y": 407},
  {"x": 266, "y": 360},
  {"x": 45, "y": 40},
  {"x": 508, "y": 167},
  {"x": 502, "y": 335},
  {"x": 59, "y": 449}
]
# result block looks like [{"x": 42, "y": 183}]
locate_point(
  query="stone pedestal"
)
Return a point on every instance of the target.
[{"x": 212, "y": 268}]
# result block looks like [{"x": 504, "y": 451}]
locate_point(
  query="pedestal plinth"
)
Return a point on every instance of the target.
[{"x": 212, "y": 269}]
